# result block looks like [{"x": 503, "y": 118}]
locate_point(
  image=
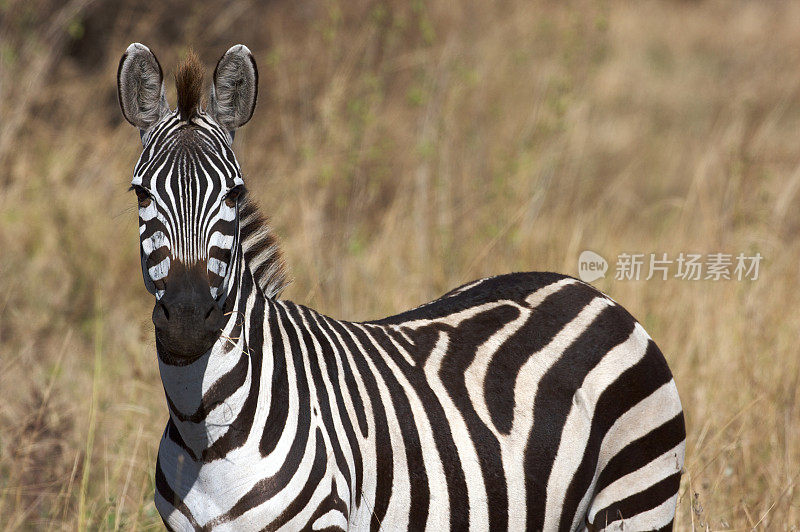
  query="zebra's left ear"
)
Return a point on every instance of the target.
[
  {"x": 235, "y": 88},
  {"x": 140, "y": 87}
]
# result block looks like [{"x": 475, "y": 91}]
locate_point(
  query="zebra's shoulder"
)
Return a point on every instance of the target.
[{"x": 521, "y": 288}]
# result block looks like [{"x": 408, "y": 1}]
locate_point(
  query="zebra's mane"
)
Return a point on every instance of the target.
[
  {"x": 189, "y": 85},
  {"x": 260, "y": 249}
]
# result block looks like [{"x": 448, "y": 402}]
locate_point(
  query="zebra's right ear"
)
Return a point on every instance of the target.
[
  {"x": 235, "y": 89},
  {"x": 140, "y": 87}
]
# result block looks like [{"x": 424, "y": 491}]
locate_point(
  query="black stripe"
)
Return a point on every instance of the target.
[
  {"x": 169, "y": 495},
  {"x": 192, "y": 186},
  {"x": 554, "y": 400},
  {"x": 426, "y": 337},
  {"x": 418, "y": 476},
  {"x": 467, "y": 337},
  {"x": 207, "y": 163},
  {"x": 221, "y": 254},
  {"x": 204, "y": 183},
  {"x": 640, "y": 502},
  {"x": 266, "y": 488},
  {"x": 355, "y": 397},
  {"x": 547, "y": 319},
  {"x": 223, "y": 388},
  {"x": 214, "y": 280},
  {"x": 157, "y": 256},
  {"x": 349, "y": 378},
  {"x": 279, "y": 390},
  {"x": 630, "y": 388},
  {"x": 513, "y": 286},
  {"x": 324, "y": 403},
  {"x": 237, "y": 432},
  {"x": 159, "y": 185},
  {"x": 401, "y": 340},
  {"x": 303, "y": 498},
  {"x": 331, "y": 502},
  {"x": 640, "y": 452},
  {"x": 330, "y": 358},
  {"x": 157, "y": 141},
  {"x": 384, "y": 466},
  {"x": 424, "y": 340},
  {"x": 226, "y": 227},
  {"x": 151, "y": 226},
  {"x": 174, "y": 435}
]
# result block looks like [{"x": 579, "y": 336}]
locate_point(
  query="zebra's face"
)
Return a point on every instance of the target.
[{"x": 188, "y": 186}]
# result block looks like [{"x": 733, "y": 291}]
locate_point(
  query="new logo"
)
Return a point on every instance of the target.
[{"x": 591, "y": 266}]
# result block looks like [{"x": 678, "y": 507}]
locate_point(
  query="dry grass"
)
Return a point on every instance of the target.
[{"x": 402, "y": 148}]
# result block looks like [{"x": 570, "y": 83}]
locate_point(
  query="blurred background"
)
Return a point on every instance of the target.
[{"x": 402, "y": 148}]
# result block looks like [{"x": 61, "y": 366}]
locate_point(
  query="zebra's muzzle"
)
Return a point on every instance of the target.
[{"x": 187, "y": 319}]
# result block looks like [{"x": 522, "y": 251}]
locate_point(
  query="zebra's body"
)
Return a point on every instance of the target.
[
  {"x": 524, "y": 401},
  {"x": 448, "y": 393}
]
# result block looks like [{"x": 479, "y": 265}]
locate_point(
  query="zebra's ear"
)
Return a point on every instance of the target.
[
  {"x": 235, "y": 88},
  {"x": 140, "y": 87}
]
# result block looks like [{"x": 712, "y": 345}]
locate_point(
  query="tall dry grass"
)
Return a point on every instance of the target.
[{"x": 402, "y": 148}]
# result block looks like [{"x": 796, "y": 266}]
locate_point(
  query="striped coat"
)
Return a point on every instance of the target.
[{"x": 521, "y": 401}]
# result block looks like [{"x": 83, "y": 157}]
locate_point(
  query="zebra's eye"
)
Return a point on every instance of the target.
[
  {"x": 233, "y": 196},
  {"x": 142, "y": 195}
]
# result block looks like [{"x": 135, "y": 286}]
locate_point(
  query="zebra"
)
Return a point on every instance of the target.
[{"x": 521, "y": 401}]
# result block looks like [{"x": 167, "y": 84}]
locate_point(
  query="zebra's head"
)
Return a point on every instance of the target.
[{"x": 189, "y": 188}]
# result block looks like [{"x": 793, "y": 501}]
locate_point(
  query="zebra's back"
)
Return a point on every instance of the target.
[{"x": 527, "y": 400}]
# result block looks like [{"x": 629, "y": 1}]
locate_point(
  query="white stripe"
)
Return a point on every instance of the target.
[
  {"x": 439, "y": 508},
  {"x": 159, "y": 271},
  {"x": 255, "y": 237},
  {"x": 526, "y": 389},
  {"x": 578, "y": 426},
  {"x": 403, "y": 352},
  {"x": 361, "y": 510},
  {"x": 333, "y": 518},
  {"x": 455, "y": 318},
  {"x": 402, "y": 333},
  {"x": 634, "y": 424},
  {"x": 475, "y": 380},
  {"x": 155, "y": 241},
  {"x": 638, "y": 481},
  {"x": 280, "y": 454},
  {"x": 336, "y": 415},
  {"x": 654, "y": 519},
  {"x": 149, "y": 212},
  {"x": 220, "y": 240},
  {"x": 227, "y": 213},
  {"x": 476, "y": 488},
  {"x": 399, "y": 505},
  {"x": 468, "y": 286},
  {"x": 271, "y": 508},
  {"x": 217, "y": 266},
  {"x": 538, "y": 296},
  {"x": 648, "y": 414},
  {"x": 173, "y": 517},
  {"x": 262, "y": 257}
]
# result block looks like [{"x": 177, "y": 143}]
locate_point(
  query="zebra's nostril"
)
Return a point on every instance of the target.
[
  {"x": 208, "y": 314},
  {"x": 165, "y": 311}
]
